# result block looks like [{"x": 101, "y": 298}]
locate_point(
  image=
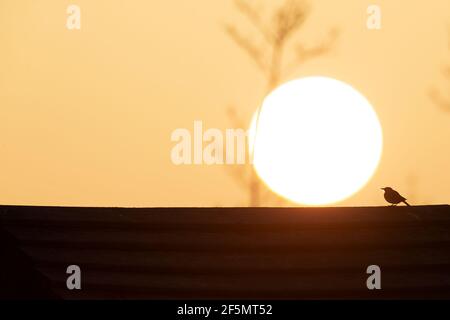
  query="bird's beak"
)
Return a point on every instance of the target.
[{"x": 382, "y": 188}]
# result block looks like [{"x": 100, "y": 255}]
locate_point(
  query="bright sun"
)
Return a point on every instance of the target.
[{"x": 318, "y": 141}]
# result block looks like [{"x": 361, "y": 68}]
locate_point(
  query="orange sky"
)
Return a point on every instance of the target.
[{"x": 87, "y": 115}]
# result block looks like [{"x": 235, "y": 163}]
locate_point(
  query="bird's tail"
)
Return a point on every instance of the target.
[{"x": 406, "y": 203}]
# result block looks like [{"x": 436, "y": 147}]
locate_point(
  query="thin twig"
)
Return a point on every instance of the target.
[
  {"x": 255, "y": 53},
  {"x": 254, "y": 17}
]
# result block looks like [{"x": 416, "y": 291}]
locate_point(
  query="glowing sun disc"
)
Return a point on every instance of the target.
[{"x": 318, "y": 141}]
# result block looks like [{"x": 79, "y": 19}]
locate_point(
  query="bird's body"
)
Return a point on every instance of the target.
[{"x": 393, "y": 197}]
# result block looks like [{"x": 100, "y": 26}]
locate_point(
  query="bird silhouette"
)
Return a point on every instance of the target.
[{"x": 393, "y": 196}]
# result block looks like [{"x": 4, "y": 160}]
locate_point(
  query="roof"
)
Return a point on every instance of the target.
[{"x": 258, "y": 253}]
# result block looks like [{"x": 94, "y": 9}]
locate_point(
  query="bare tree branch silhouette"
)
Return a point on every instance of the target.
[
  {"x": 276, "y": 32},
  {"x": 436, "y": 96}
]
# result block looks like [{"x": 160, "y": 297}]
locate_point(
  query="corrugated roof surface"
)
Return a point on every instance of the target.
[{"x": 234, "y": 252}]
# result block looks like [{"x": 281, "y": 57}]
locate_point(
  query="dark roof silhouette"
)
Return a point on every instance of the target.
[{"x": 227, "y": 252}]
